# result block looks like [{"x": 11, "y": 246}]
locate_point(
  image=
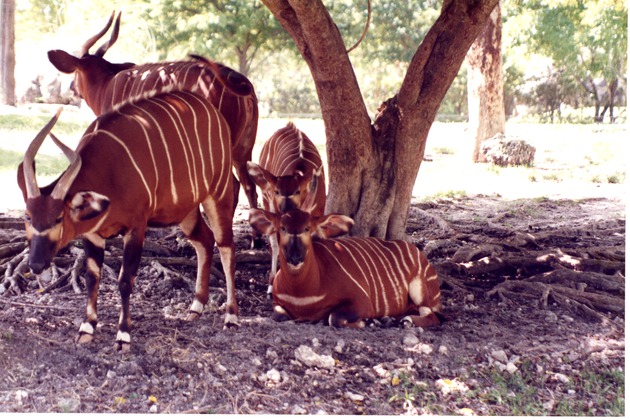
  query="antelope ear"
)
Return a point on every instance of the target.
[
  {"x": 63, "y": 61},
  {"x": 86, "y": 205},
  {"x": 263, "y": 178},
  {"x": 263, "y": 221},
  {"x": 332, "y": 225},
  {"x": 310, "y": 200}
]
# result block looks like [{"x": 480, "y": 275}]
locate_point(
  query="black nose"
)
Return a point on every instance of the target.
[
  {"x": 37, "y": 267},
  {"x": 294, "y": 259}
]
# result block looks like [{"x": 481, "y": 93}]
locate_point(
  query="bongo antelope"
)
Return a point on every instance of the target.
[
  {"x": 288, "y": 161},
  {"x": 346, "y": 280},
  {"x": 104, "y": 85},
  {"x": 151, "y": 162}
]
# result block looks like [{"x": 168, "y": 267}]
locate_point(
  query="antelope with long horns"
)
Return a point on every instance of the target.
[
  {"x": 152, "y": 162},
  {"x": 288, "y": 161},
  {"x": 104, "y": 85},
  {"x": 346, "y": 280}
]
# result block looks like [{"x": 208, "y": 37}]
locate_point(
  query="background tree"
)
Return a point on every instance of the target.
[
  {"x": 7, "y": 52},
  {"x": 486, "y": 110},
  {"x": 587, "y": 41},
  {"x": 372, "y": 167},
  {"x": 217, "y": 29}
]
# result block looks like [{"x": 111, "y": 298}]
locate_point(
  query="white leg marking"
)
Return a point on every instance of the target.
[
  {"x": 123, "y": 337},
  {"x": 86, "y": 328}
]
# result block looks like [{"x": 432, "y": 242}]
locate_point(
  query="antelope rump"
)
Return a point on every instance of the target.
[{"x": 150, "y": 162}]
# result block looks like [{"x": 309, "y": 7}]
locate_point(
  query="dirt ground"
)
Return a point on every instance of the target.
[{"x": 534, "y": 299}]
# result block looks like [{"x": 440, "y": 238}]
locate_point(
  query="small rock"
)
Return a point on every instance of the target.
[
  {"x": 298, "y": 410},
  {"x": 443, "y": 350},
  {"x": 511, "y": 368},
  {"x": 271, "y": 354},
  {"x": 306, "y": 355},
  {"x": 21, "y": 396},
  {"x": 410, "y": 340},
  {"x": 425, "y": 349},
  {"x": 561, "y": 377},
  {"x": 354, "y": 397},
  {"x": 274, "y": 376},
  {"x": 500, "y": 356},
  {"x": 551, "y": 317},
  {"x": 339, "y": 347}
]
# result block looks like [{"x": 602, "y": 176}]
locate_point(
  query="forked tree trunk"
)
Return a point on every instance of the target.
[
  {"x": 372, "y": 168},
  {"x": 7, "y": 52},
  {"x": 486, "y": 110}
]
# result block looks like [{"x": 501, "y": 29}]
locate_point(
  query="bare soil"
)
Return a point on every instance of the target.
[{"x": 533, "y": 293}]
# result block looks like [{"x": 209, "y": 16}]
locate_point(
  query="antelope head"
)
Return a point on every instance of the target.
[
  {"x": 284, "y": 192},
  {"x": 297, "y": 229},
  {"x": 50, "y": 217},
  {"x": 89, "y": 69}
]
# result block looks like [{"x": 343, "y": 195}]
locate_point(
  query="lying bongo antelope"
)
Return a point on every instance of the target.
[
  {"x": 288, "y": 162},
  {"x": 346, "y": 280},
  {"x": 150, "y": 163}
]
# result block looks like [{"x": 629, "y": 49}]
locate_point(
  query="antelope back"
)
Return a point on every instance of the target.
[
  {"x": 288, "y": 161},
  {"x": 106, "y": 85}
]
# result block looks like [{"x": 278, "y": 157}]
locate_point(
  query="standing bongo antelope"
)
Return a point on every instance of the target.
[
  {"x": 288, "y": 161},
  {"x": 150, "y": 163},
  {"x": 349, "y": 279},
  {"x": 104, "y": 85}
]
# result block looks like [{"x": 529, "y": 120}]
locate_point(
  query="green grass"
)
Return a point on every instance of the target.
[
  {"x": 14, "y": 122},
  {"x": 46, "y": 165},
  {"x": 527, "y": 392}
]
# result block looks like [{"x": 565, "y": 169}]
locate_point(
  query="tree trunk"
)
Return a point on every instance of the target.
[
  {"x": 7, "y": 52},
  {"x": 486, "y": 110},
  {"x": 372, "y": 168}
]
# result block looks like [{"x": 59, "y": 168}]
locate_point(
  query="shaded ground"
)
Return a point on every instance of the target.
[{"x": 533, "y": 290}]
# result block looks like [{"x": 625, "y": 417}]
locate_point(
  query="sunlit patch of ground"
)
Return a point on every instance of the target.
[{"x": 572, "y": 161}]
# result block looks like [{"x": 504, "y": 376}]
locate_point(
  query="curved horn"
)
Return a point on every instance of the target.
[
  {"x": 90, "y": 42},
  {"x": 65, "y": 181},
  {"x": 103, "y": 48},
  {"x": 28, "y": 163}
]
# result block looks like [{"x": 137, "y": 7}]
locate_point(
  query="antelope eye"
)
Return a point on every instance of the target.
[
  {"x": 283, "y": 229},
  {"x": 297, "y": 192},
  {"x": 59, "y": 219},
  {"x": 307, "y": 229},
  {"x": 277, "y": 192},
  {"x": 27, "y": 218}
]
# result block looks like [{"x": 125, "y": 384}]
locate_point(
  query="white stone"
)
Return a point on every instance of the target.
[
  {"x": 306, "y": 355},
  {"x": 500, "y": 356},
  {"x": 410, "y": 340},
  {"x": 274, "y": 376}
]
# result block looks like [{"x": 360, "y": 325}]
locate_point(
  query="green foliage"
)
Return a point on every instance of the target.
[
  {"x": 234, "y": 32},
  {"x": 586, "y": 40}
]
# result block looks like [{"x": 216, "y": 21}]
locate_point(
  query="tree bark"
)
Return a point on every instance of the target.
[
  {"x": 7, "y": 52},
  {"x": 486, "y": 110},
  {"x": 372, "y": 168}
]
